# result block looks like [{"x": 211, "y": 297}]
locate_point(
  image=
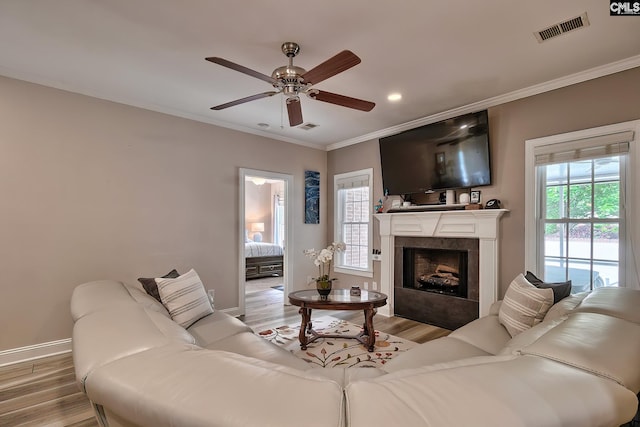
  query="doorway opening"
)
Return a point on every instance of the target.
[{"x": 265, "y": 231}]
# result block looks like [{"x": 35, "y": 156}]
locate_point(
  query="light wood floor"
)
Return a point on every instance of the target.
[{"x": 44, "y": 393}]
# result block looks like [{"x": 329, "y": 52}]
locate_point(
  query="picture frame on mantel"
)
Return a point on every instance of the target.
[
  {"x": 311, "y": 197},
  {"x": 475, "y": 197}
]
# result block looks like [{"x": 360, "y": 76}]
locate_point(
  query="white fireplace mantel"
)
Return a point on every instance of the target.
[{"x": 480, "y": 224}]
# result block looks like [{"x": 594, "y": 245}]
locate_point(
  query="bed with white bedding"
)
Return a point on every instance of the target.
[{"x": 263, "y": 259}]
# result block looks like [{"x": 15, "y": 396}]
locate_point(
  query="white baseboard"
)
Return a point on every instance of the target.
[{"x": 37, "y": 351}]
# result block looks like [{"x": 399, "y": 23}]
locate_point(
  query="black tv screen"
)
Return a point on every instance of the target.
[{"x": 450, "y": 154}]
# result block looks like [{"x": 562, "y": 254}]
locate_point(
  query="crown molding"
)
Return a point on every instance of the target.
[{"x": 583, "y": 76}]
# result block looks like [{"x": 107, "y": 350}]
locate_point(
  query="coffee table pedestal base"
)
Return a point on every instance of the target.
[{"x": 366, "y": 337}]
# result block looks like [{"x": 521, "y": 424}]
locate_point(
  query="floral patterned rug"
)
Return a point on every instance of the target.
[{"x": 338, "y": 352}]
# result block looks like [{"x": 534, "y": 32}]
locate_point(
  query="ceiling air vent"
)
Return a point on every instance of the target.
[
  {"x": 308, "y": 126},
  {"x": 562, "y": 27}
]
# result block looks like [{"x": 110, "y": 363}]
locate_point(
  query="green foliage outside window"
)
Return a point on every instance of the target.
[{"x": 577, "y": 198}]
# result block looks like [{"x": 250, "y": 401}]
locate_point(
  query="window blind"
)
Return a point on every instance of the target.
[
  {"x": 355, "y": 181},
  {"x": 587, "y": 148}
]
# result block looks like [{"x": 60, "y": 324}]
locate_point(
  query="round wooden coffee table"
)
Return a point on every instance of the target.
[{"x": 338, "y": 299}]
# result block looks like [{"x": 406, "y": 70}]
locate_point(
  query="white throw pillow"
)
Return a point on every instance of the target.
[
  {"x": 185, "y": 298},
  {"x": 524, "y": 306}
]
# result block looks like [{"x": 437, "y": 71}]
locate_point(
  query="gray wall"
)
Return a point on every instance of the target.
[
  {"x": 92, "y": 189},
  {"x": 602, "y": 101}
]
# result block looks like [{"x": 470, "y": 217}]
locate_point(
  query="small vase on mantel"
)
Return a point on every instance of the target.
[{"x": 323, "y": 287}]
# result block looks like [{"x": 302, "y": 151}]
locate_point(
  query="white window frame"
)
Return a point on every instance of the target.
[
  {"x": 629, "y": 277},
  {"x": 337, "y": 220}
]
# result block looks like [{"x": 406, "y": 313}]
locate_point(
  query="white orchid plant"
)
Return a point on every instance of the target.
[{"x": 322, "y": 259}]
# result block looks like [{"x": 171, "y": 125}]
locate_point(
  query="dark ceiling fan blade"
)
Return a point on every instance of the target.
[
  {"x": 243, "y": 100},
  {"x": 242, "y": 69},
  {"x": 345, "y": 101},
  {"x": 295, "y": 111},
  {"x": 332, "y": 66}
]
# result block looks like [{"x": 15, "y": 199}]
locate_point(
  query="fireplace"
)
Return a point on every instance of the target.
[
  {"x": 436, "y": 280},
  {"x": 440, "y": 271},
  {"x": 480, "y": 226}
]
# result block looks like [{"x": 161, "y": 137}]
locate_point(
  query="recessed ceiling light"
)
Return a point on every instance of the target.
[{"x": 394, "y": 97}]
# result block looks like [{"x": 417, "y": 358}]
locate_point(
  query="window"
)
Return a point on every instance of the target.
[
  {"x": 579, "y": 194},
  {"x": 352, "y": 195},
  {"x": 581, "y": 222}
]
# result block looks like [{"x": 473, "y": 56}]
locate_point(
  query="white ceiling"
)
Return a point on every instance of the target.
[{"x": 445, "y": 57}]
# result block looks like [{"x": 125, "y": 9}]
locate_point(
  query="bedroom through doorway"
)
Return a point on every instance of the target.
[{"x": 264, "y": 223}]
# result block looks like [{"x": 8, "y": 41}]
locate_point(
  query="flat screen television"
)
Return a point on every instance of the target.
[{"x": 450, "y": 154}]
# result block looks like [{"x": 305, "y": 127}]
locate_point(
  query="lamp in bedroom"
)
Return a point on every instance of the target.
[{"x": 257, "y": 228}]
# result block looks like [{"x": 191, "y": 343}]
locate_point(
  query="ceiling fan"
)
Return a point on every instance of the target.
[{"x": 292, "y": 81}]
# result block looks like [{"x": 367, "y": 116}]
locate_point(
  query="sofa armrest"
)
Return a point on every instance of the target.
[{"x": 99, "y": 295}]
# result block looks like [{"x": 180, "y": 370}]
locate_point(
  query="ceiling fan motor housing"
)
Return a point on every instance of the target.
[{"x": 289, "y": 79}]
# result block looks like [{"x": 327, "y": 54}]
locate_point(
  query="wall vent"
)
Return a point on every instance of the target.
[
  {"x": 308, "y": 126},
  {"x": 562, "y": 27}
]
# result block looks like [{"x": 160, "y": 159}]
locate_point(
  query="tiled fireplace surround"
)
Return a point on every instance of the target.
[{"x": 482, "y": 225}]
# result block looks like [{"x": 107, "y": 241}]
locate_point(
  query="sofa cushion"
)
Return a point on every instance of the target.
[
  {"x": 565, "y": 306},
  {"x": 528, "y": 337},
  {"x": 189, "y": 387},
  {"x": 522, "y": 391},
  {"x": 485, "y": 333},
  {"x": 560, "y": 289},
  {"x": 344, "y": 376},
  {"x": 251, "y": 345},
  {"x": 524, "y": 305},
  {"x": 216, "y": 326},
  {"x": 169, "y": 328},
  {"x": 494, "y": 308},
  {"x": 149, "y": 283},
  {"x": 617, "y": 302},
  {"x": 595, "y": 343},
  {"x": 185, "y": 298},
  {"x": 108, "y": 335},
  {"x": 440, "y": 350},
  {"x": 147, "y": 301}
]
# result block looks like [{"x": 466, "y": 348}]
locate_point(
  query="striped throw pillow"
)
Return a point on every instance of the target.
[
  {"x": 524, "y": 306},
  {"x": 185, "y": 298}
]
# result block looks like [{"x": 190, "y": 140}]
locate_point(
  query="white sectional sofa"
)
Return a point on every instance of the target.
[{"x": 579, "y": 367}]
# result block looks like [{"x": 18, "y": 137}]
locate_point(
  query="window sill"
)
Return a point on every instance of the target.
[{"x": 353, "y": 272}]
